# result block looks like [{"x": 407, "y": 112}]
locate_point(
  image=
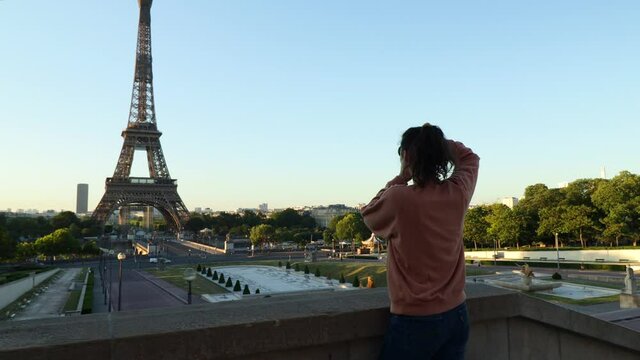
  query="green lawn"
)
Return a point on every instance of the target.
[
  {"x": 199, "y": 286},
  {"x": 584, "y": 302}
]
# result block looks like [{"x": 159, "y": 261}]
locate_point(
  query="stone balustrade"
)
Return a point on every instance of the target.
[{"x": 330, "y": 325}]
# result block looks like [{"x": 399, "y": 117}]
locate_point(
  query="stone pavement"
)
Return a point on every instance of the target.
[{"x": 51, "y": 302}]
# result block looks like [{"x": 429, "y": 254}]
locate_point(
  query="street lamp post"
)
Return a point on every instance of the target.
[
  {"x": 121, "y": 256},
  {"x": 189, "y": 275},
  {"x": 557, "y": 252}
]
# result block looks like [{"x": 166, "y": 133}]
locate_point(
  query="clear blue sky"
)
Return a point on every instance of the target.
[{"x": 303, "y": 102}]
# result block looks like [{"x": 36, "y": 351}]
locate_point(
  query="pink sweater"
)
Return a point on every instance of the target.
[{"x": 423, "y": 227}]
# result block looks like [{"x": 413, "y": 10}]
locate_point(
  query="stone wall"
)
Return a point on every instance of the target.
[
  {"x": 340, "y": 325},
  {"x": 12, "y": 291}
]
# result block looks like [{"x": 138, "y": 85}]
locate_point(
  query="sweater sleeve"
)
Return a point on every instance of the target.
[
  {"x": 465, "y": 174},
  {"x": 379, "y": 214}
]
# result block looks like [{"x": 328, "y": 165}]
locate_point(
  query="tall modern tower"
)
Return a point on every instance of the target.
[
  {"x": 82, "y": 199},
  {"x": 159, "y": 189}
]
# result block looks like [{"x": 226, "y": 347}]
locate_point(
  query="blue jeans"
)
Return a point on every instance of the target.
[{"x": 439, "y": 336}]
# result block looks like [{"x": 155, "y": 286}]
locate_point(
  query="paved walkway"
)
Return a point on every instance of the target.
[{"x": 51, "y": 302}]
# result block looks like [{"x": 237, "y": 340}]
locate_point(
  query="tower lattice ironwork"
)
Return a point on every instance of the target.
[{"x": 159, "y": 189}]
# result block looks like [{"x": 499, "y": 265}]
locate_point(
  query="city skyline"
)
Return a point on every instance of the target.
[{"x": 303, "y": 104}]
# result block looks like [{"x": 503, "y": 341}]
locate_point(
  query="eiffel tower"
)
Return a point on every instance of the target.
[{"x": 159, "y": 189}]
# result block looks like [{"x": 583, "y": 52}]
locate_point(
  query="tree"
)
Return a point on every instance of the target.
[
  {"x": 261, "y": 234},
  {"x": 64, "y": 219},
  {"x": 352, "y": 227},
  {"x": 90, "y": 248},
  {"x": 7, "y": 245},
  {"x": 577, "y": 219},
  {"x": 195, "y": 223},
  {"x": 250, "y": 218},
  {"x": 26, "y": 250},
  {"x": 505, "y": 225},
  {"x": 288, "y": 218},
  {"x": 246, "y": 290},
  {"x": 237, "y": 286},
  {"x": 57, "y": 243},
  {"x": 619, "y": 199},
  {"x": 551, "y": 221},
  {"x": 476, "y": 226},
  {"x": 536, "y": 198}
]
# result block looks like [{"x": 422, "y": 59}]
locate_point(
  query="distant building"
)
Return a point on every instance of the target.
[
  {"x": 198, "y": 210},
  {"x": 82, "y": 199},
  {"x": 324, "y": 214},
  {"x": 510, "y": 201},
  {"x": 263, "y": 208}
]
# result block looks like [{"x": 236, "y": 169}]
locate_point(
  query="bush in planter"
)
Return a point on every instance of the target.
[
  {"x": 215, "y": 275},
  {"x": 199, "y": 268},
  {"x": 556, "y": 276},
  {"x": 342, "y": 280},
  {"x": 356, "y": 282},
  {"x": 237, "y": 286},
  {"x": 221, "y": 279},
  {"x": 296, "y": 267},
  {"x": 306, "y": 269},
  {"x": 257, "y": 291},
  {"x": 279, "y": 264},
  {"x": 203, "y": 271},
  {"x": 317, "y": 272},
  {"x": 209, "y": 272},
  {"x": 246, "y": 290},
  {"x": 229, "y": 282},
  {"x": 288, "y": 265}
]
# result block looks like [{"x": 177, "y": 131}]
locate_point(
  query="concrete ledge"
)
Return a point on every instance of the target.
[{"x": 337, "y": 325}]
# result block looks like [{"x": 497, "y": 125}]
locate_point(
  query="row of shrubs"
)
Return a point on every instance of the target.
[
  {"x": 237, "y": 287},
  {"x": 342, "y": 280},
  {"x": 227, "y": 283}
]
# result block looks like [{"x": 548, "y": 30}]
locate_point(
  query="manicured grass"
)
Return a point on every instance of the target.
[
  {"x": 594, "y": 283},
  {"x": 199, "y": 286},
  {"x": 583, "y": 302},
  {"x": 87, "y": 305},
  {"x": 72, "y": 300}
]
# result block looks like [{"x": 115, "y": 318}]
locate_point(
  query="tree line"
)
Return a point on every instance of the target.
[
  {"x": 26, "y": 237},
  {"x": 286, "y": 226},
  {"x": 587, "y": 212}
]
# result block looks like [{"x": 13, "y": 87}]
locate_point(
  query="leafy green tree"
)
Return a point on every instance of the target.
[
  {"x": 7, "y": 245},
  {"x": 552, "y": 221},
  {"x": 283, "y": 235},
  {"x": 287, "y": 218},
  {"x": 352, "y": 227},
  {"x": 90, "y": 248},
  {"x": 577, "y": 219},
  {"x": 505, "y": 225},
  {"x": 536, "y": 198},
  {"x": 64, "y": 219},
  {"x": 261, "y": 234},
  {"x": 619, "y": 198},
  {"x": 476, "y": 226},
  {"x": 251, "y": 219},
  {"x": 57, "y": 243},
  {"x": 26, "y": 250},
  {"x": 195, "y": 223}
]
